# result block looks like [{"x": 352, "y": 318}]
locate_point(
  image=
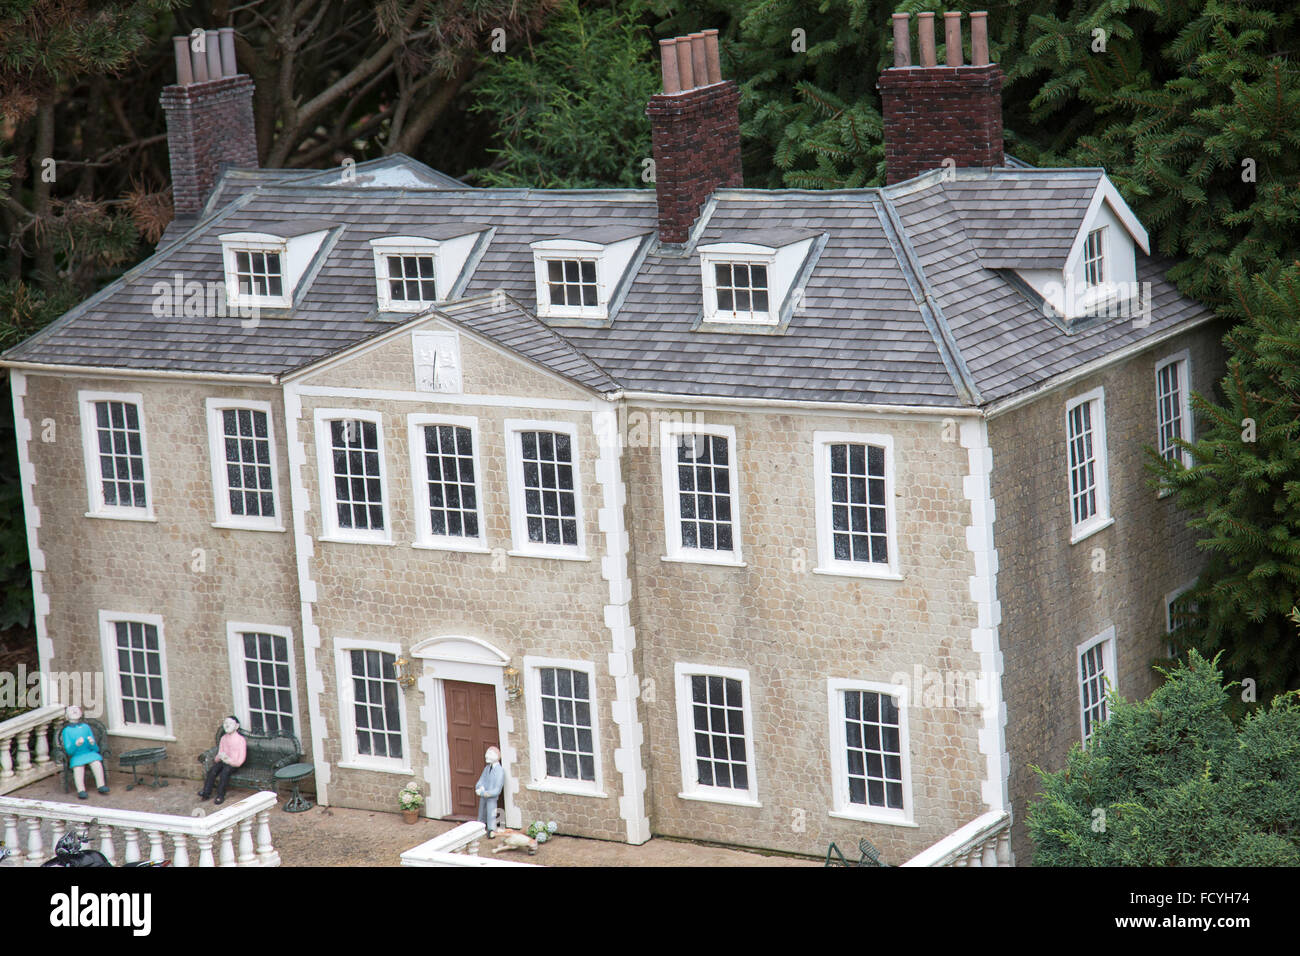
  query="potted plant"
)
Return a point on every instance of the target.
[
  {"x": 410, "y": 799},
  {"x": 541, "y": 832}
]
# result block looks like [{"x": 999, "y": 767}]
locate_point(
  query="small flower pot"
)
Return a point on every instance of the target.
[{"x": 410, "y": 816}]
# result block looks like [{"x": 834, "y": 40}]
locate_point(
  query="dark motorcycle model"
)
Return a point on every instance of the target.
[{"x": 72, "y": 851}]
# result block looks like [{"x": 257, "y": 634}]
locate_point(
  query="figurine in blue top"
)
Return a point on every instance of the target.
[
  {"x": 490, "y": 783},
  {"x": 78, "y": 739}
]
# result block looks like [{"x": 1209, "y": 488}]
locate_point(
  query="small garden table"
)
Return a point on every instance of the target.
[
  {"x": 144, "y": 757},
  {"x": 294, "y": 773}
]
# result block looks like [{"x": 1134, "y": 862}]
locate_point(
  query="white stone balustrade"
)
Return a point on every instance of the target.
[
  {"x": 25, "y": 747},
  {"x": 457, "y": 847},
  {"x": 237, "y": 835},
  {"x": 985, "y": 841}
]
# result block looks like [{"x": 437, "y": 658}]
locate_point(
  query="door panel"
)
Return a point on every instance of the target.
[{"x": 471, "y": 729}]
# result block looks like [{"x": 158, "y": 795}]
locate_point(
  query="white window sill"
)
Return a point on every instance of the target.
[
  {"x": 741, "y": 318},
  {"x": 554, "y": 555},
  {"x": 867, "y": 573},
  {"x": 146, "y": 516},
  {"x": 688, "y": 558},
  {"x": 546, "y": 786},
  {"x": 337, "y": 539},
  {"x": 717, "y": 798},
  {"x": 1087, "y": 531},
  {"x": 247, "y": 303},
  {"x": 561, "y": 313},
  {"x": 866, "y": 816},
  {"x": 142, "y": 733},
  {"x": 467, "y": 548},
  {"x": 234, "y": 526},
  {"x": 377, "y": 768}
]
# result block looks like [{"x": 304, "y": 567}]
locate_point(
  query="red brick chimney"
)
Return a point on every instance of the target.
[
  {"x": 695, "y": 131},
  {"x": 934, "y": 113},
  {"x": 209, "y": 118}
]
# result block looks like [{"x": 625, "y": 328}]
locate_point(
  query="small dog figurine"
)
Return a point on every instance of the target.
[{"x": 514, "y": 840}]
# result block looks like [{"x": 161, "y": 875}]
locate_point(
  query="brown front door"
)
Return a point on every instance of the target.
[{"x": 471, "y": 730}]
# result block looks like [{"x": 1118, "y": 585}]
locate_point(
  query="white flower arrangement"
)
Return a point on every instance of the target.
[
  {"x": 410, "y": 797},
  {"x": 541, "y": 832}
]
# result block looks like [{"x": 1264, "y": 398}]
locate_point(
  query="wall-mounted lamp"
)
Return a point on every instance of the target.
[
  {"x": 399, "y": 672},
  {"x": 512, "y": 682}
]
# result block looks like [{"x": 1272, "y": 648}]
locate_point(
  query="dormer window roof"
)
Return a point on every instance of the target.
[
  {"x": 423, "y": 264},
  {"x": 580, "y": 274},
  {"x": 748, "y": 276},
  {"x": 265, "y": 268}
]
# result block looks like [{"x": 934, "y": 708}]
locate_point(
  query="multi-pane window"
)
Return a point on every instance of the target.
[
  {"x": 549, "y": 494},
  {"x": 1086, "y": 446},
  {"x": 741, "y": 289},
  {"x": 718, "y": 719},
  {"x": 572, "y": 282},
  {"x": 268, "y": 683},
  {"x": 859, "y": 522},
  {"x": 120, "y": 446},
  {"x": 567, "y": 737},
  {"x": 449, "y": 471},
  {"x": 1171, "y": 408},
  {"x": 376, "y": 703},
  {"x": 358, "y": 481},
  {"x": 1094, "y": 257},
  {"x": 140, "y": 673},
  {"x": 704, "y": 491},
  {"x": 873, "y": 748},
  {"x": 259, "y": 273},
  {"x": 246, "y": 440},
  {"x": 1095, "y": 678},
  {"x": 411, "y": 278}
]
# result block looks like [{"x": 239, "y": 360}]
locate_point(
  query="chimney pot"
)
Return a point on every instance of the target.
[
  {"x": 979, "y": 39},
  {"x": 184, "y": 73},
  {"x": 685, "y": 69},
  {"x": 668, "y": 66},
  {"x": 711, "y": 54},
  {"x": 902, "y": 41},
  {"x": 212, "y": 47},
  {"x": 925, "y": 37},
  {"x": 200, "y": 63},
  {"x": 952, "y": 38},
  {"x": 699, "y": 59},
  {"x": 228, "y": 65}
]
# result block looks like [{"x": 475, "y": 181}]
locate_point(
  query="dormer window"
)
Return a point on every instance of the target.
[
  {"x": 1094, "y": 257},
  {"x": 581, "y": 275},
  {"x": 748, "y": 282},
  {"x": 414, "y": 271},
  {"x": 264, "y": 269}
]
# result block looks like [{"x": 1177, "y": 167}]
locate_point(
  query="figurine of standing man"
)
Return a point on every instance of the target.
[{"x": 489, "y": 786}]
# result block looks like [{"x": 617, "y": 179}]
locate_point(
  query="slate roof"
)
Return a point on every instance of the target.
[{"x": 908, "y": 301}]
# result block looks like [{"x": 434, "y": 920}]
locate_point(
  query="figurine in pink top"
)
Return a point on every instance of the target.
[{"x": 232, "y": 751}]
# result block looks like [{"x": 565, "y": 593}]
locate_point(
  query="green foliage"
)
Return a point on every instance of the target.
[
  {"x": 15, "y": 572},
  {"x": 1243, "y": 491},
  {"x": 570, "y": 110},
  {"x": 1171, "y": 781}
]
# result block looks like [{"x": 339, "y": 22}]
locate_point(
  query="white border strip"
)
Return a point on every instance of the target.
[{"x": 27, "y": 476}]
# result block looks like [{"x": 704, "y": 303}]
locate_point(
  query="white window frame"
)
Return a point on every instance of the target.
[
  {"x": 551, "y": 250},
  {"x": 217, "y": 454},
  {"x": 352, "y": 760},
  {"x": 740, "y": 253},
  {"x": 521, "y": 545},
  {"x": 1102, "y": 518},
  {"x": 1183, "y": 363},
  {"x": 424, "y": 536},
  {"x": 691, "y": 788},
  {"x": 1102, "y": 234},
  {"x": 841, "y": 807},
  {"x": 331, "y": 531},
  {"x": 90, "y": 450},
  {"x": 256, "y": 242},
  {"x": 405, "y": 246},
  {"x": 235, "y": 631},
  {"x": 1110, "y": 671},
  {"x": 117, "y": 724},
  {"x": 539, "y": 780},
  {"x": 827, "y": 562},
  {"x": 673, "y": 548},
  {"x": 1170, "y": 597}
]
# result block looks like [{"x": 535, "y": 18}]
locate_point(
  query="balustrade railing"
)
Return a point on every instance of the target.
[
  {"x": 459, "y": 846},
  {"x": 25, "y": 747},
  {"x": 985, "y": 841},
  {"x": 237, "y": 835}
]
